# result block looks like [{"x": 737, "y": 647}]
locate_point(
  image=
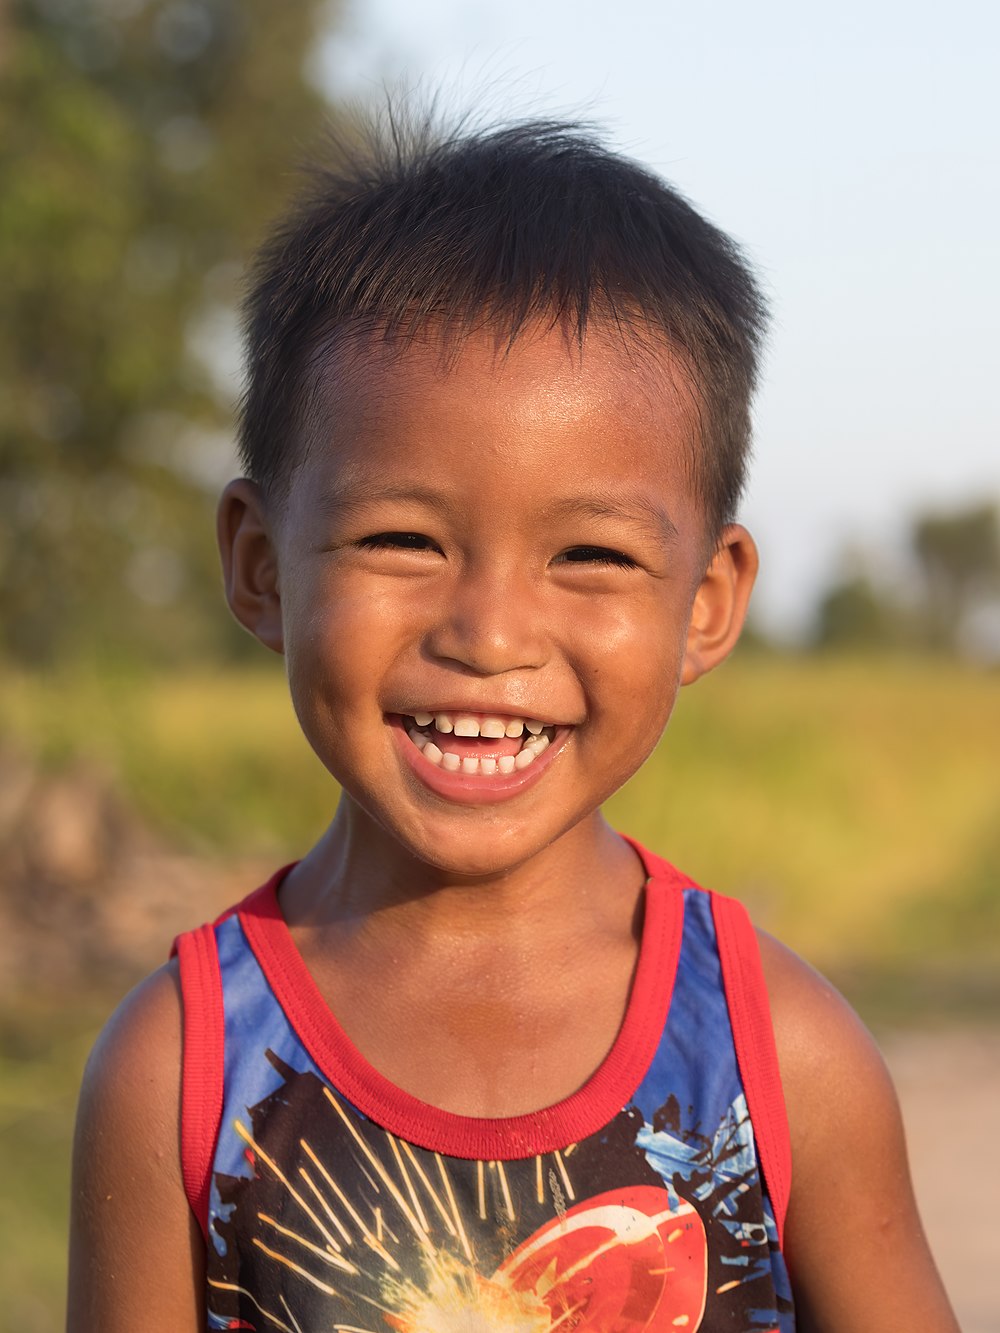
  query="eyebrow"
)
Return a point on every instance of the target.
[
  {"x": 636, "y": 510},
  {"x": 348, "y": 497}
]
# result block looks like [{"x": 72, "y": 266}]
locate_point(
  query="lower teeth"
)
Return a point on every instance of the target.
[{"x": 470, "y": 766}]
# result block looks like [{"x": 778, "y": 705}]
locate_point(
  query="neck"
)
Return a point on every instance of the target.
[{"x": 356, "y": 873}]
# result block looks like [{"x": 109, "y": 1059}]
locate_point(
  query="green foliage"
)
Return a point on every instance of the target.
[
  {"x": 853, "y": 613},
  {"x": 142, "y": 146},
  {"x": 957, "y": 556}
]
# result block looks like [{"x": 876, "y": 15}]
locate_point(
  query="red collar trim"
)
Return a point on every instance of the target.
[{"x": 481, "y": 1138}]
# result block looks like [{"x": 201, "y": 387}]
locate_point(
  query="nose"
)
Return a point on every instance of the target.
[{"x": 491, "y": 621}]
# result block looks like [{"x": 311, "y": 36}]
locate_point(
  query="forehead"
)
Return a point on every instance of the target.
[
  {"x": 366, "y": 382},
  {"x": 478, "y": 410}
]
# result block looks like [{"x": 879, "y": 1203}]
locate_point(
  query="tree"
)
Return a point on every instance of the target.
[
  {"x": 959, "y": 558},
  {"x": 953, "y": 605},
  {"x": 143, "y": 143},
  {"x": 855, "y": 614}
]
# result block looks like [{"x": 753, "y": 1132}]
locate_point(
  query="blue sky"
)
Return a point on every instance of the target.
[{"x": 853, "y": 150}]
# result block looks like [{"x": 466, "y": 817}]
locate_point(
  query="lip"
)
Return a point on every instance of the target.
[{"x": 460, "y": 787}]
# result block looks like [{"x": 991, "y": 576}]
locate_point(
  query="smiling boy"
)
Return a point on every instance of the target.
[{"x": 477, "y": 1062}]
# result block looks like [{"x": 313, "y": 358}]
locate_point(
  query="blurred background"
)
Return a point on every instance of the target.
[{"x": 841, "y": 773}]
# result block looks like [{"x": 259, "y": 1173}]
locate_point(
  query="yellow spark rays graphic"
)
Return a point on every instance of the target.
[
  {"x": 352, "y": 1212},
  {"x": 449, "y": 1295},
  {"x": 432, "y": 1193},
  {"x": 369, "y": 1236},
  {"x": 298, "y": 1326},
  {"x": 394, "y": 1145},
  {"x": 332, "y": 1259},
  {"x": 324, "y": 1204},
  {"x": 249, "y": 1139},
  {"x": 463, "y": 1238},
  {"x": 242, "y": 1291},
  {"x": 295, "y": 1268},
  {"x": 377, "y": 1167},
  {"x": 505, "y": 1189},
  {"x": 570, "y": 1193}
]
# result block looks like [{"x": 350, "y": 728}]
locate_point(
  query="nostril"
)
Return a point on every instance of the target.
[{"x": 488, "y": 639}]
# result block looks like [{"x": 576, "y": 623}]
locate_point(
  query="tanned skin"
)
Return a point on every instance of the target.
[{"x": 590, "y": 607}]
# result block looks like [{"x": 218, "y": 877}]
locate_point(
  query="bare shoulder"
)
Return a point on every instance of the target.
[
  {"x": 822, "y": 1043},
  {"x": 856, "y": 1248},
  {"x": 136, "y": 1060},
  {"x": 135, "y": 1248}
]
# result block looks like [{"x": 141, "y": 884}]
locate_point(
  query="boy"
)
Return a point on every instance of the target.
[{"x": 476, "y": 1062}]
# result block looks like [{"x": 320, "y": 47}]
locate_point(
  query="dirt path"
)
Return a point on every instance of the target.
[{"x": 949, "y": 1086}]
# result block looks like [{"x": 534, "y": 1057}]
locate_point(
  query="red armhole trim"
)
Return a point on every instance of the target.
[
  {"x": 756, "y": 1054},
  {"x": 204, "y": 1054}
]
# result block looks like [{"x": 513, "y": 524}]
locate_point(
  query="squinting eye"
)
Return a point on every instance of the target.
[
  {"x": 400, "y": 541},
  {"x": 598, "y": 555}
]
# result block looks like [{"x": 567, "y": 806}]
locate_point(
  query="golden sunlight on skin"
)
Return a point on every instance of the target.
[{"x": 448, "y": 549}]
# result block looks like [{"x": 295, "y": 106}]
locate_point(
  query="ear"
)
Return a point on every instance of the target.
[
  {"x": 720, "y": 604},
  {"x": 249, "y": 562}
]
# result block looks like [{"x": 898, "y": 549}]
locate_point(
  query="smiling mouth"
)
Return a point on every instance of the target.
[{"x": 478, "y": 744}]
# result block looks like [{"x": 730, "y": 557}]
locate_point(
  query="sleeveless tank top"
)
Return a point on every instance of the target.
[{"x": 652, "y": 1198}]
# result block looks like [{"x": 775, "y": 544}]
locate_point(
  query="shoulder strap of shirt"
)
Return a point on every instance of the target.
[
  {"x": 203, "y": 1062},
  {"x": 756, "y": 1054}
]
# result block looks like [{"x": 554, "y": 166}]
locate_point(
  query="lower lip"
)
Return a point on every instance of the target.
[{"x": 474, "y": 790}]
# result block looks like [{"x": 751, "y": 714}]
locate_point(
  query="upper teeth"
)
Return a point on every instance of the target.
[{"x": 465, "y": 724}]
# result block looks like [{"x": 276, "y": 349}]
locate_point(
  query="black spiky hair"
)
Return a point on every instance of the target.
[{"x": 469, "y": 228}]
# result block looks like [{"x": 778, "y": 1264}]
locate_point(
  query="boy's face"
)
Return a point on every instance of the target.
[{"x": 500, "y": 538}]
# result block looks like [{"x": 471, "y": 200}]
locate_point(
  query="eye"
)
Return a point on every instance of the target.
[
  {"x": 398, "y": 541},
  {"x": 597, "y": 555}
]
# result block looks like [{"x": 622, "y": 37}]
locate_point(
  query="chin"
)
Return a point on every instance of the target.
[
  {"x": 460, "y": 861},
  {"x": 461, "y": 842},
  {"x": 471, "y": 849}
]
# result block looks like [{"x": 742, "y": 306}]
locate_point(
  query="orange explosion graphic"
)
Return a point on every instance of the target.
[{"x": 623, "y": 1261}]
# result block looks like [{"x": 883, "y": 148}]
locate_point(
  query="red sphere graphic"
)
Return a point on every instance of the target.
[{"x": 620, "y": 1262}]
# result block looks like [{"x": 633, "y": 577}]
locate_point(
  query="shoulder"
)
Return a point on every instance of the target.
[
  {"x": 134, "y": 1244},
  {"x": 822, "y": 1043},
  {"x": 852, "y": 1216},
  {"x": 836, "y": 1084},
  {"x": 137, "y": 1057},
  {"x": 131, "y": 1092}
]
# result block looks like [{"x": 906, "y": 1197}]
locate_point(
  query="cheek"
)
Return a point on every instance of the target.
[
  {"x": 336, "y": 652},
  {"x": 639, "y": 649},
  {"x": 339, "y": 633},
  {"x": 633, "y": 681}
]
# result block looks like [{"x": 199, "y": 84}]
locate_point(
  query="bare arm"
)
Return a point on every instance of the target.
[
  {"x": 136, "y": 1251},
  {"x": 857, "y": 1254}
]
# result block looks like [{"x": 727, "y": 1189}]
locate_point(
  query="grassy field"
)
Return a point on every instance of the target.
[
  {"x": 835, "y": 796},
  {"x": 852, "y": 804}
]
